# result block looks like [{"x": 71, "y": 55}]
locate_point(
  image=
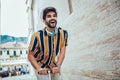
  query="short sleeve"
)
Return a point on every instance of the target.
[
  {"x": 33, "y": 43},
  {"x": 66, "y": 37}
]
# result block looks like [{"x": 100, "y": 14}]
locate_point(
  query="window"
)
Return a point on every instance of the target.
[
  {"x": 14, "y": 53},
  {"x": 0, "y": 68},
  {"x": 20, "y": 51},
  {"x": 0, "y": 52},
  {"x": 8, "y": 52}
]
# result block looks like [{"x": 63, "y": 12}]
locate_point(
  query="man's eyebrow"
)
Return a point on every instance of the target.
[{"x": 48, "y": 15}]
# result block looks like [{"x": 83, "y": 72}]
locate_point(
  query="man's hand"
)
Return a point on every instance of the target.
[
  {"x": 55, "y": 70},
  {"x": 42, "y": 71}
]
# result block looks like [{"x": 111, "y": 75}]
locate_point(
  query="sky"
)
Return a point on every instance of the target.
[{"x": 14, "y": 19}]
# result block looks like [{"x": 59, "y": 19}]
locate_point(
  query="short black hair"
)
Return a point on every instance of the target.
[{"x": 48, "y": 9}]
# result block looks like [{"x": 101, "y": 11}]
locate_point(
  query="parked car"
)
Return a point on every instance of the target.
[{"x": 4, "y": 73}]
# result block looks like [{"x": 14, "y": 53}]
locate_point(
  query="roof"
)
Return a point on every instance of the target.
[{"x": 14, "y": 45}]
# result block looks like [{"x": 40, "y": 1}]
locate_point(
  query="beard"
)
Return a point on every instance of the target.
[{"x": 52, "y": 23}]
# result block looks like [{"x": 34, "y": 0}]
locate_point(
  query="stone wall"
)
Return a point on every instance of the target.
[{"x": 93, "y": 51}]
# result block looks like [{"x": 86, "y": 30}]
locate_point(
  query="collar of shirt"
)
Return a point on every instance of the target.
[{"x": 46, "y": 32}]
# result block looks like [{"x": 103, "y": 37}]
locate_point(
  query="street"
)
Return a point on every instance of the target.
[{"x": 21, "y": 77}]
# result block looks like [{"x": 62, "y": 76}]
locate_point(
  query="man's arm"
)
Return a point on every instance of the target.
[
  {"x": 61, "y": 56},
  {"x": 63, "y": 49},
  {"x": 32, "y": 60},
  {"x": 35, "y": 65}
]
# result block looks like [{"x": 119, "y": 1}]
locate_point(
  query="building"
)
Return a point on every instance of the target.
[
  {"x": 13, "y": 50},
  {"x": 13, "y": 54}
]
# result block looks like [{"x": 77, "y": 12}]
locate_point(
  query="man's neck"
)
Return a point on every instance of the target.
[{"x": 49, "y": 29}]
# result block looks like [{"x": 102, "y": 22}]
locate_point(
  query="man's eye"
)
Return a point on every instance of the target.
[
  {"x": 54, "y": 15},
  {"x": 49, "y": 16}
]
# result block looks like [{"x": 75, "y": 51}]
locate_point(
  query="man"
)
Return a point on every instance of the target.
[{"x": 48, "y": 46}]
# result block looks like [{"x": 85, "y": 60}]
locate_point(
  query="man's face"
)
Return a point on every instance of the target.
[{"x": 51, "y": 19}]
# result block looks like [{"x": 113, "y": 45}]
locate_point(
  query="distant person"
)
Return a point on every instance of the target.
[
  {"x": 28, "y": 69},
  {"x": 48, "y": 46},
  {"x": 14, "y": 71},
  {"x": 9, "y": 71},
  {"x": 19, "y": 70},
  {"x": 23, "y": 69}
]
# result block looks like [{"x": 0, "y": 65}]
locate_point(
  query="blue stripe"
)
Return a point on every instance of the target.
[
  {"x": 42, "y": 40},
  {"x": 58, "y": 42},
  {"x": 42, "y": 57},
  {"x": 65, "y": 37},
  {"x": 45, "y": 33},
  {"x": 65, "y": 34},
  {"x": 43, "y": 66},
  {"x": 36, "y": 54},
  {"x": 35, "y": 42}
]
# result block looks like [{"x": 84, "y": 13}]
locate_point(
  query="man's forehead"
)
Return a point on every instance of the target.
[{"x": 49, "y": 13}]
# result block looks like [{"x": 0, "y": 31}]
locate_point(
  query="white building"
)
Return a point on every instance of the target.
[
  {"x": 13, "y": 50},
  {"x": 13, "y": 54}
]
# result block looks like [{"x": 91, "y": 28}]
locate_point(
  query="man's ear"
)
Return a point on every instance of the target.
[{"x": 43, "y": 21}]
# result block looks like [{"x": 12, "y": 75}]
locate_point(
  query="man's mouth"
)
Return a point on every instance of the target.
[{"x": 53, "y": 21}]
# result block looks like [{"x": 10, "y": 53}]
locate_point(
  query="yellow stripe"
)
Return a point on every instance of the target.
[
  {"x": 46, "y": 55},
  {"x": 39, "y": 56},
  {"x": 38, "y": 38},
  {"x": 39, "y": 63},
  {"x": 62, "y": 39},
  {"x": 39, "y": 43},
  {"x": 32, "y": 42},
  {"x": 55, "y": 45}
]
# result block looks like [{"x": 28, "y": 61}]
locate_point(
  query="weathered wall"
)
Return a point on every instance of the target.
[{"x": 94, "y": 41}]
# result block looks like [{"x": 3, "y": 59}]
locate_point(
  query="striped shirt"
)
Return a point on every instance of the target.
[{"x": 45, "y": 48}]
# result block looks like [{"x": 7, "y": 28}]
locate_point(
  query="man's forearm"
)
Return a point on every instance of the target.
[
  {"x": 33, "y": 61},
  {"x": 60, "y": 59},
  {"x": 61, "y": 56}
]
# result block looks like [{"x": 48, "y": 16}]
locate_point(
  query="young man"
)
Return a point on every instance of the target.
[{"x": 48, "y": 46}]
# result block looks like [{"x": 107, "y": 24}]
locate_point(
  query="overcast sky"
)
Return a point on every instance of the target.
[{"x": 14, "y": 18}]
